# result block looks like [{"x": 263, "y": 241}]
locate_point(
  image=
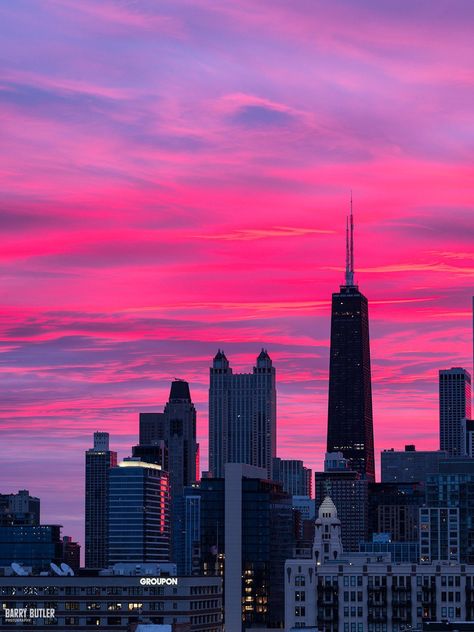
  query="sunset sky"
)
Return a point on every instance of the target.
[{"x": 175, "y": 178}]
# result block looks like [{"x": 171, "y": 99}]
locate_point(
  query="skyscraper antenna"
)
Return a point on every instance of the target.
[
  {"x": 352, "y": 242},
  {"x": 350, "y": 248}
]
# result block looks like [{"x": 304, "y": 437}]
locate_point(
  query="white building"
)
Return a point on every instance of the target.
[{"x": 358, "y": 592}]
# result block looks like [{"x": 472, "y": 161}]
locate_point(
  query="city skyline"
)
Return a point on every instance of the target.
[{"x": 195, "y": 199}]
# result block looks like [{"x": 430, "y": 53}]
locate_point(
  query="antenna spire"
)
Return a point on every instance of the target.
[{"x": 350, "y": 248}]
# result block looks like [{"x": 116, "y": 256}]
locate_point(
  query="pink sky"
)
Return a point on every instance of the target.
[{"x": 175, "y": 178}]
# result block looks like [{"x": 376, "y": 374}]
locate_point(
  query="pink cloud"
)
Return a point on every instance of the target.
[{"x": 176, "y": 178}]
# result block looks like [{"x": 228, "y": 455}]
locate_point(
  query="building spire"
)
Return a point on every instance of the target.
[{"x": 350, "y": 248}]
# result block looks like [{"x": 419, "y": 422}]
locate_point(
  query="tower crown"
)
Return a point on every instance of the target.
[
  {"x": 180, "y": 390},
  {"x": 327, "y": 534},
  {"x": 263, "y": 360},
  {"x": 220, "y": 360}
]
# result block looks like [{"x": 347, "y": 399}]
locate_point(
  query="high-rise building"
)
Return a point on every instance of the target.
[
  {"x": 294, "y": 476},
  {"x": 169, "y": 438},
  {"x": 242, "y": 415},
  {"x": 139, "y": 527},
  {"x": 453, "y": 488},
  {"x": 180, "y": 436},
  {"x": 350, "y": 421},
  {"x": 410, "y": 465},
  {"x": 454, "y": 406},
  {"x": 246, "y": 533},
  {"x": 349, "y": 492},
  {"x": 99, "y": 460}
]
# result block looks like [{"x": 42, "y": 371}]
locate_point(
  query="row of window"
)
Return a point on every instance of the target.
[{"x": 401, "y": 581}]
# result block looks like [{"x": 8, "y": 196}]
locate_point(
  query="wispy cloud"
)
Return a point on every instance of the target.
[{"x": 176, "y": 177}]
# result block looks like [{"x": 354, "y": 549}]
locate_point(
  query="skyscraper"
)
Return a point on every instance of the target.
[
  {"x": 246, "y": 532},
  {"x": 350, "y": 422},
  {"x": 242, "y": 415},
  {"x": 139, "y": 528},
  {"x": 454, "y": 406},
  {"x": 180, "y": 436},
  {"x": 169, "y": 438},
  {"x": 99, "y": 460}
]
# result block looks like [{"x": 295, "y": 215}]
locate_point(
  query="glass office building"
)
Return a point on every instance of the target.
[{"x": 139, "y": 528}]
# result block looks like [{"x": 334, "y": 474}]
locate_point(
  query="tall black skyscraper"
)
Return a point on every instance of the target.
[
  {"x": 99, "y": 460},
  {"x": 169, "y": 438},
  {"x": 350, "y": 422}
]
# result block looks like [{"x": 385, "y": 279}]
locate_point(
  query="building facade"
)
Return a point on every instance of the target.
[
  {"x": 99, "y": 460},
  {"x": 242, "y": 415},
  {"x": 439, "y": 534},
  {"x": 467, "y": 429},
  {"x": 335, "y": 591},
  {"x": 33, "y": 546},
  {"x": 394, "y": 509},
  {"x": 454, "y": 406},
  {"x": 114, "y": 602},
  {"x": 410, "y": 465},
  {"x": 453, "y": 489},
  {"x": 139, "y": 527},
  {"x": 246, "y": 534},
  {"x": 349, "y": 491},
  {"x": 19, "y": 509},
  {"x": 294, "y": 476}
]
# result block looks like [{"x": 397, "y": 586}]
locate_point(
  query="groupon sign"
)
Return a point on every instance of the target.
[{"x": 159, "y": 581}]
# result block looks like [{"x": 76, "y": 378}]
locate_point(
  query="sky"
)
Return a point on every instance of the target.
[{"x": 175, "y": 179}]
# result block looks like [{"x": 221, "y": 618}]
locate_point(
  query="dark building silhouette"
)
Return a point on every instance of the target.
[
  {"x": 151, "y": 428},
  {"x": 246, "y": 533},
  {"x": 410, "y": 465},
  {"x": 350, "y": 421},
  {"x": 71, "y": 553},
  {"x": 19, "y": 509},
  {"x": 394, "y": 509},
  {"x": 242, "y": 415},
  {"x": 155, "y": 453},
  {"x": 99, "y": 460},
  {"x": 169, "y": 439},
  {"x": 34, "y": 546}
]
